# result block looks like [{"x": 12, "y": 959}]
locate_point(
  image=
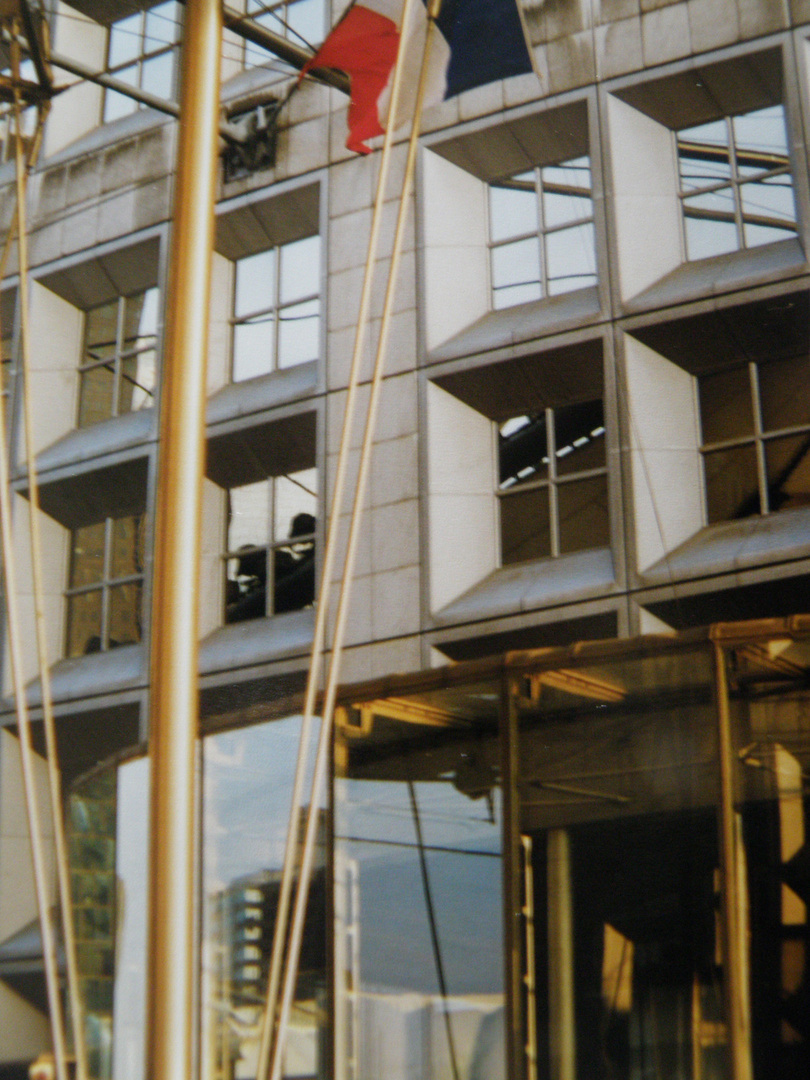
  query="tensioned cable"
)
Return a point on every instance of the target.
[
  {"x": 330, "y": 692},
  {"x": 54, "y": 774},
  {"x": 321, "y": 611},
  {"x": 49, "y": 951}
]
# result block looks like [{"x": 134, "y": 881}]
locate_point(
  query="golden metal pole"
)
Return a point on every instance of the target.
[
  {"x": 732, "y": 892},
  {"x": 562, "y": 1012},
  {"x": 174, "y": 695}
]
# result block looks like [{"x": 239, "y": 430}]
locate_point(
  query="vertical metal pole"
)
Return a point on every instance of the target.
[
  {"x": 562, "y": 1012},
  {"x": 174, "y": 697},
  {"x": 509, "y": 734},
  {"x": 732, "y": 894}
]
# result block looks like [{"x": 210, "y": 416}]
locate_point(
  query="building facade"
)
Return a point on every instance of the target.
[{"x": 595, "y": 424}]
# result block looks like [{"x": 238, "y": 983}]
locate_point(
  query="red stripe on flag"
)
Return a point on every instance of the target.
[{"x": 364, "y": 45}]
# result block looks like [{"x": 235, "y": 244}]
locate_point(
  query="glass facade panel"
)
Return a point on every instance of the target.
[
  {"x": 732, "y": 487},
  {"x": 579, "y": 437},
  {"x": 247, "y": 790},
  {"x": 582, "y": 508},
  {"x": 525, "y": 525},
  {"x": 787, "y": 465},
  {"x": 726, "y": 408},
  {"x": 83, "y": 622},
  {"x": 419, "y": 956},
  {"x": 571, "y": 256},
  {"x": 784, "y": 395},
  {"x": 118, "y": 371},
  {"x": 618, "y": 790}
]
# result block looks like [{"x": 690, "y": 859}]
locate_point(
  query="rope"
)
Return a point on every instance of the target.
[
  {"x": 54, "y": 776},
  {"x": 319, "y": 634},
  {"x": 330, "y": 693}
]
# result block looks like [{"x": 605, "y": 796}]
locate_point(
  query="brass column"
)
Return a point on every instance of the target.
[{"x": 174, "y": 695}]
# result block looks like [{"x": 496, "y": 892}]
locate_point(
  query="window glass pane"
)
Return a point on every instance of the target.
[
  {"x": 137, "y": 382},
  {"x": 703, "y": 155},
  {"x": 768, "y": 209},
  {"x": 787, "y": 463},
  {"x": 118, "y": 105},
  {"x": 247, "y": 787},
  {"x": 125, "y": 41},
  {"x": 571, "y": 259},
  {"x": 732, "y": 490},
  {"x": 784, "y": 392},
  {"x": 763, "y": 132},
  {"x": 513, "y": 212},
  {"x": 417, "y": 885},
  {"x": 157, "y": 75},
  {"x": 127, "y": 554},
  {"x": 522, "y": 450},
  {"x": 583, "y": 512},
  {"x": 140, "y": 317},
  {"x": 525, "y": 526},
  {"x": 100, "y": 331},
  {"x": 125, "y": 614},
  {"x": 710, "y": 225},
  {"x": 726, "y": 410},
  {"x": 295, "y": 504},
  {"x": 579, "y": 436},
  {"x": 300, "y": 269},
  {"x": 249, "y": 515},
  {"x": 517, "y": 264},
  {"x": 298, "y": 333},
  {"x": 83, "y": 623},
  {"x": 294, "y": 563},
  {"x": 566, "y": 193},
  {"x": 162, "y": 25},
  {"x": 255, "y": 288},
  {"x": 249, "y": 510},
  {"x": 87, "y": 555},
  {"x": 305, "y": 20},
  {"x": 96, "y": 394},
  {"x": 253, "y": 348},
  {"x": 618, "y": 822}
]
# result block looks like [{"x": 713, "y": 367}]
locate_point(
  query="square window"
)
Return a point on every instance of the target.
[
  {"x": 269, "y": 552},
  {"x": 541, "y": 233},
  {"x": 117, "y": 373},
  {"x": 553, "y": 482},
  {"x": 105, "y": 584},
  {"x": 755, "y": 421},
  {"x": 276, "y": 308},
  {"x": 142, "y": 52},
  {"x": 736, "y": 187}
]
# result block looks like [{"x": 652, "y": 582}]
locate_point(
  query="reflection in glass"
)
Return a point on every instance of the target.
[
  {"x": 419, "y": 962},
  {"x": 736, "y": 185},
  {"x": 732, "y": 489},
  {"x": 247, "y": 778},
  {"x": 542, "y": 240},
  {"x": 276, "y": 308},
  {"x": 618, "y": 790},
  {"x": 108, "y": 848}
]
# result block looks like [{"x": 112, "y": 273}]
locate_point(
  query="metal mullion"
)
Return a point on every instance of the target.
[
  {"x": 539, "y": 194},
  {"x": 523, "y": 485},
  {"x": 270, "y": 549},
  {"x": 119, "y": 345},
  {"x": 105, "y": 584},
  {"x": 514, "y": 239},
  {"x": 276, "y": 302},
  {"x": 735, "y": 182},
  {"x": 584, "y": 474},
  {"x": 762, "y": 476},
  {"x": 568, "y": 225},
  {"x": 554, "y": 512}
]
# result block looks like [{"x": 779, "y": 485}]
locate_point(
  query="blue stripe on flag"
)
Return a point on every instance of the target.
[{"x": 486, "y": 42}]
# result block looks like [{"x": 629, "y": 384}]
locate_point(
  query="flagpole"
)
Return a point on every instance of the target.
[
  {"x": 174, "y": 653},
  {"x": 330, "y": 693},
  {"x": 321, "y": 612}
]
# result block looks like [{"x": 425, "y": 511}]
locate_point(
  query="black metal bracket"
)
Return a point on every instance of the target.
[{"x": 257, "y": 150}]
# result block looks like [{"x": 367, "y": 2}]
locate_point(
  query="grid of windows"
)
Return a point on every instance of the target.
[
  {"x": 756, "y": 438},
  {"x": 276, "y": 308},
  {"x": 105, "y": 583},
  {"x": 301, "y": 21},
  {"x": 542, "y": 233},
  {"x": 267, "y": 579},
  {"x": 117, "y": 373},
  {"x": 736, "y": 188},
  {"x": 142, "y": 51},
  {"x": 552, "y": 485}
]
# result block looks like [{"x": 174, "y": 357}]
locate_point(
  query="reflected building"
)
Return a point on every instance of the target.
[{"x": 594, "y": 428}]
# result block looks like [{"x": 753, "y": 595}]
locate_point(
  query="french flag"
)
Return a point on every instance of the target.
[{"x": 478, "y": 42}]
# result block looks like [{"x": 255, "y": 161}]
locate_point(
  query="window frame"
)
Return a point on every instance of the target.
[
  {"x": 142, "y": 56},
  {"x": 120, "y": 355},
  {"x": 541, "y": 188},
  {"x": 106, "y": 583},
  {"x": 265, "y": 14}
]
